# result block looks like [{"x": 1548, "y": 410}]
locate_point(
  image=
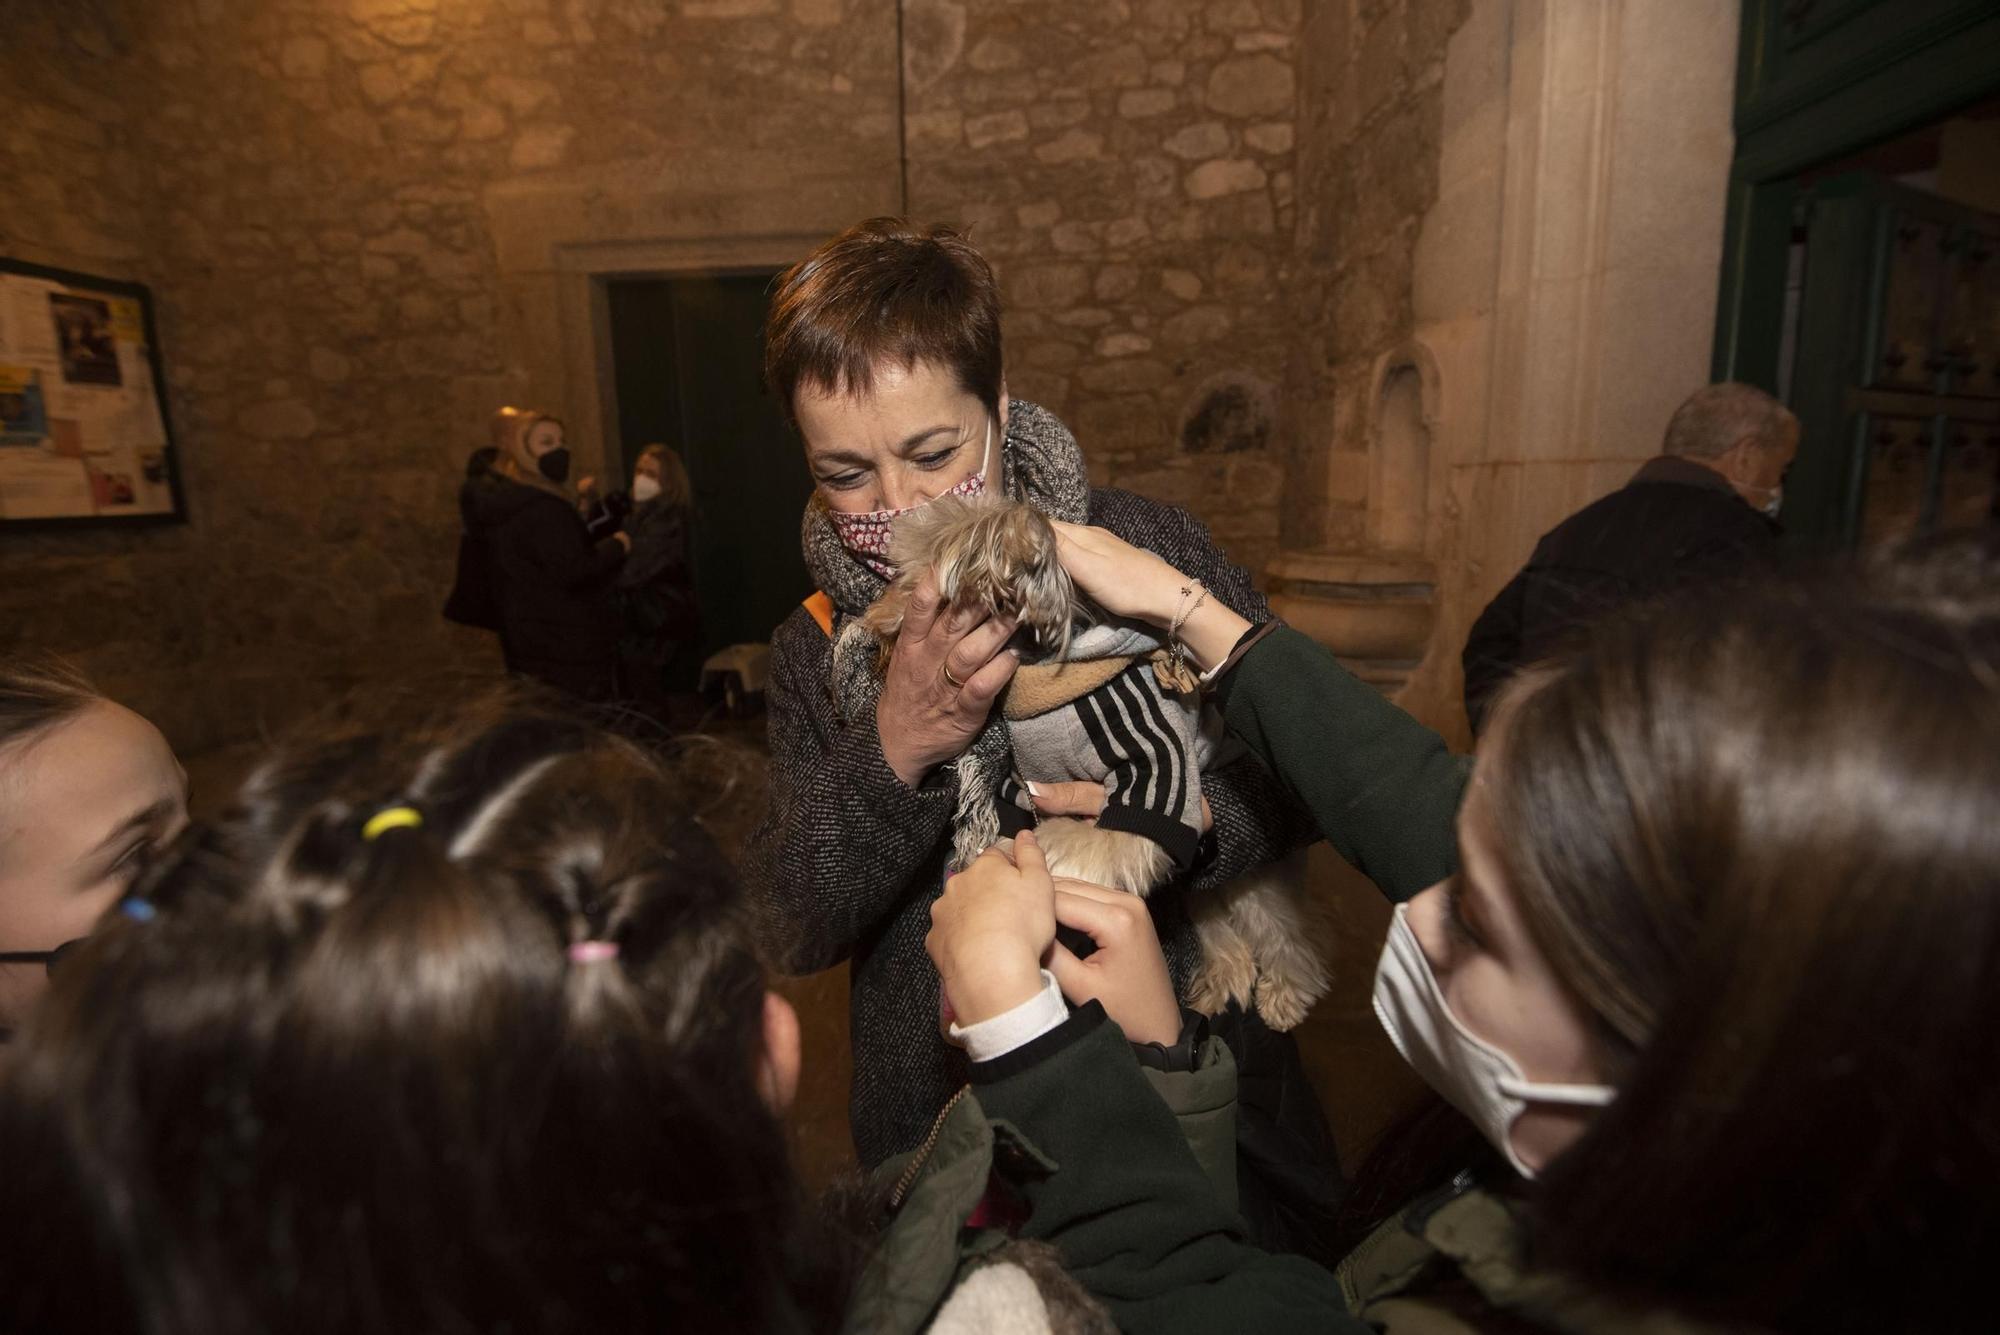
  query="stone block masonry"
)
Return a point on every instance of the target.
[
  {"x": 1128, "y": 167},
  {"x": 310, "y": 185}
]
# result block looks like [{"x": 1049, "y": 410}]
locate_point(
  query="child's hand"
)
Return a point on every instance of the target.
[
  {"x": 1127, "y": 974},
  {"x": 990, "y": 929}
]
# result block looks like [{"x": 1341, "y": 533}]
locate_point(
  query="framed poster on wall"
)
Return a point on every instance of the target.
[{"x": 84, "y": 437}]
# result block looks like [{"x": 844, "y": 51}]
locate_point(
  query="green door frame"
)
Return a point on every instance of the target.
[{"x": 1881, "y": 67}]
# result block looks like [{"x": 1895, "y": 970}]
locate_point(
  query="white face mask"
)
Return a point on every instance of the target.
[
  {"x": 645, "y": 488},
  {"x": 1776, "y": 503},
  {"x": 1477, "y": 1078}
]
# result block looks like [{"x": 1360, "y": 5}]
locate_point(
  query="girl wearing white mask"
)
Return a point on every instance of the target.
[
  {"x": 1718, "y": 974},
  {"x": 660, "y": 645}
]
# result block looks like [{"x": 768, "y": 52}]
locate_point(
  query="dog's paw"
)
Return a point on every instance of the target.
[
  {"x": 1224, "y": 976},
  {"x": 1281, "y": 1001}
]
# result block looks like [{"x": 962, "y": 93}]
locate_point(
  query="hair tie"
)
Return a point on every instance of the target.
[
  {"x": 592, "y": 952},
  {"x": 392, "y": 818},
  {"x": 138, "y": 910}
]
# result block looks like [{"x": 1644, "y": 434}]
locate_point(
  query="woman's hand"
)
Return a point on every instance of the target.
[
  {"x": 1127, "y": 974},
  {"x": 1133, "y": 583},
  {"x": 947, "y": 668},
  {"x": 1124, "y": 580},
  {"x": 990, "y": 929}
]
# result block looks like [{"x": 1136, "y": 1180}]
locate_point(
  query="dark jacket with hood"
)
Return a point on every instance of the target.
[{"x": 558, "y": 613}]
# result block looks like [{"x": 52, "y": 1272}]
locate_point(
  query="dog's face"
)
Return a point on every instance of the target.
[{"x": 995, "y": 555}]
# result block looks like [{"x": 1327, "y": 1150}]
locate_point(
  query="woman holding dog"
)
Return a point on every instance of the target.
[{"x": 884, "y": 346}]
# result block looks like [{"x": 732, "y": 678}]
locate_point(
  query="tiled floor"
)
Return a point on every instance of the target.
[{"x": 1361, "y": 1081}]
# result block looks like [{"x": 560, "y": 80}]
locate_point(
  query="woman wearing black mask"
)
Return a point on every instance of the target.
[{"x": 558, "y": 616}]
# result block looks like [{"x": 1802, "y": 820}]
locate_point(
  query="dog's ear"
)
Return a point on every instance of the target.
[{"x": 1047, "y": 596}]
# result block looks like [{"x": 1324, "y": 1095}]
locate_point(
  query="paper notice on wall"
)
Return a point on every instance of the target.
[
  {"x": 130, "y": 482},
  {"x": 27, "y": 332},
  {"x": 24, "y": 413},
  {"x": 82, "y": 432},
  {"x": 35, "y": 485}
]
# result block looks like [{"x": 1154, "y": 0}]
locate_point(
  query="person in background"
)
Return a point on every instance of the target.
[
  {"x": 472, "y": 601},
  {"x": 554, "y": 586},
  {"x": 661, "y": 644},
  {"x": 1714, "y": 984},
  {"x": 88, "y": 792},
  {"x": 1704, "y": 510},
  {"x": 459, "y": 1027}
]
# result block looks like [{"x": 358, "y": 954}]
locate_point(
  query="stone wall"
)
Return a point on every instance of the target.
[
  {"x": 368, "y": 221},
  {"x": 1128, "y": 166},
  {"x": 1370, "y": 110},
  {"x": 311, "y": 188},
  {"x": 128, "y": 606}
]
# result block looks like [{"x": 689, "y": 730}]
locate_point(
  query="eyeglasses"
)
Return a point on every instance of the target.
[{"x": 48, "y": 959}]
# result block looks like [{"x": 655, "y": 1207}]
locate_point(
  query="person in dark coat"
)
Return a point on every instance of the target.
[
  {"x": 884, "y": 347},
  {"x": 661, "y": 640},
  {"x": 1704, "y": 509},
  {"x": 554, "y": 587},
  {"x": 472, "y": 601}
]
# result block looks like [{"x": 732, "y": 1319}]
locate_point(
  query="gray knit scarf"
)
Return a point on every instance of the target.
[{"x": 1040, "y": 463}]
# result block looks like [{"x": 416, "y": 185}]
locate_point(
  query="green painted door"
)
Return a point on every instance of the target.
[
  {"x": 1896, "y": 375},
  {"x": 688, "y": 357}
]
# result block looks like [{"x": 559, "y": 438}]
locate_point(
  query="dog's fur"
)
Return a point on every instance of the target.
[
  {"x": 1001, "y": 556},
  {"x": 990, "y": 554}
]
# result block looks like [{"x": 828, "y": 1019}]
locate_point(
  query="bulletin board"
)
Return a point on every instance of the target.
[{"x": 84, "y": 437}]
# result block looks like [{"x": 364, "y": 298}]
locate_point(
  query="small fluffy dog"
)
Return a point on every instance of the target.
[{"x": 1087, "y": 704}]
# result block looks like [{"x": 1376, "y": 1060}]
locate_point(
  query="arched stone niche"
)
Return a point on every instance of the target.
[
  {"x": 1228, "y": 413},
  {"x": 1376, "y": 608},
  {"x": 1403, "y": 418}
]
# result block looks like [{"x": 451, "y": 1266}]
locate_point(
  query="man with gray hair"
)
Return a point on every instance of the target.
[{"x": 1702, "y": 510}]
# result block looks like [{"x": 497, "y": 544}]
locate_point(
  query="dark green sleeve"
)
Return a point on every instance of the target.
[
  {"x": 1132, "y": 1214},
  {"x": 1383, "y": 788}
]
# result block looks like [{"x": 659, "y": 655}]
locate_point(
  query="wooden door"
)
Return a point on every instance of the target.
[{"x": 1897, "y": 373}]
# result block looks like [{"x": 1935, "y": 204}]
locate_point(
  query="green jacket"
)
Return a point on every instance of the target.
[
  {"x": 1383, "y": 788},
  {"x": 1468, "y": 1243},
  {"x": 1127, "y": 1173}
]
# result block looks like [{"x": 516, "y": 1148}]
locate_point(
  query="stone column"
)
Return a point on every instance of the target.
[{"x": 1563, "y": 286}]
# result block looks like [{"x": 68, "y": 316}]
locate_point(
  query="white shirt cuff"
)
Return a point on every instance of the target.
[{"x": 1000, "y": 1034}]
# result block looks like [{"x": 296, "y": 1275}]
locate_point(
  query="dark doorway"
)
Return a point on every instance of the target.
[{"x": 687, "y": 356}]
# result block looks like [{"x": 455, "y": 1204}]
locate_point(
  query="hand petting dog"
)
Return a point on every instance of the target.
[
  {"x": 990, "y": 930},
  {"x": 947, "y": 668},
  {"x": 993, "y": 930}
]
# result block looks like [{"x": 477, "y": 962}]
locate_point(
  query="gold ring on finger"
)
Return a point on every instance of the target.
[{"x": 956, "y": 684}]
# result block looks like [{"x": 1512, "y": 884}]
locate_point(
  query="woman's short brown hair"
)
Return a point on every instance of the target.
[{"x": 884, "y": 291}]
